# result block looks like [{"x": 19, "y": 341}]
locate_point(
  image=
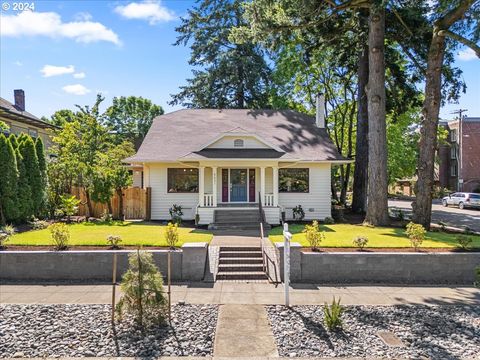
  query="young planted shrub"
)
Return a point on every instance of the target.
[
  {"x": 60, "y": 235},
  {"x": 416, "y": 234},
  {"x": 463, "y": 241},
  {"x": 176, "y": 213},
  {"x": 328, "y": 220},
  {"x": 333, "y": 315},
  {"x": 313, "y": 235},
  {"x": 69, "y": 206},
  {"x": 37, "y": 224},
  {"x": 142, "y": 288},
  {"x": 114, "y": 241},
  {"x": 171, "y": 235},
  {"x": 106, "y": 217},
  {"x": 6, "y": 233},
  {"x": 298, "y": 213},
  {"x": 360, "y": 242}
]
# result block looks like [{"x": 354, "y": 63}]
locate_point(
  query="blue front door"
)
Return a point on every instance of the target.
[{"x": 238, "y": 185}]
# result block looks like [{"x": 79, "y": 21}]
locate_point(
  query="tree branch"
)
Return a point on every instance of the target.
[{"x": 462, "y": 40}]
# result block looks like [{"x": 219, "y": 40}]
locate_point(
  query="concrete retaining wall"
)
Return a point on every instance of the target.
[
  {"x": 386, "y": 268},
  {"x": 96, "y": 265}
]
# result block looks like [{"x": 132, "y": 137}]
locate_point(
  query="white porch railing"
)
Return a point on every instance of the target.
[
  {"x": 208, "y": 200},
  {"x": 268, "y": 200}
]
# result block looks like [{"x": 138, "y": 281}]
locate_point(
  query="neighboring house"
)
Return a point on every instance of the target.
[
  {"x": 209, "y": 160},
  {"x": 21, "y": 121},
  {"x": 460, "y": 157}
]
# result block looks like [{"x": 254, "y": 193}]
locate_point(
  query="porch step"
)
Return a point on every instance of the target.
[
  {"x": 224, "y": 268},
  {"x": 240, "y": 254},
  {"x": 241, "y": 248},
  {"x": 240, "y": 263}
]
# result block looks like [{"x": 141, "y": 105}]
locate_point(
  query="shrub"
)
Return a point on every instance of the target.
[
  {"x": 176, "y": 213},
  {"x": 114, "y": 241},
  {"x": 6, "y": 233},
  {"x": 328, "y": 220},
  {"x": 68, "y": 206},
  {"x": 37, "y": 224},
  {"x": 314, "y": 235},
  {"x": 171, "y": 235},
  {"x": 298, "y": 213},
  {"x": 106, "y": 217},
  {"x": 60, "y": 235},
  {"x": 360, "y": 242},
  {"x": 333, "y": 315},
  {"x": 463, "y": 241},
  {"x": 416, "y": 234},
  {"x": 142, "y": 288}
]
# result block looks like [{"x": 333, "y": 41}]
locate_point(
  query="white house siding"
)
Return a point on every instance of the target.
[
  {"x": 137, "y": 178},
  {"x": 249, "y": 142},
  {"x": 162, "y": 200},
  {"x": 317, "y": 202}
]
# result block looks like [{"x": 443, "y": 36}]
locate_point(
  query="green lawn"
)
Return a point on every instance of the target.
[
  {"x": 341, "y": 235},
  {"x": 132, "y": 233}
]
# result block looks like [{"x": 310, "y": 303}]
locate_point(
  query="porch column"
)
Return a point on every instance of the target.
[
  {"x": 262, "y": 185},
  {"x": 214, "y": 185},
  {"x": 201, "y": 185},
  {"x": 275, "y": 185}
]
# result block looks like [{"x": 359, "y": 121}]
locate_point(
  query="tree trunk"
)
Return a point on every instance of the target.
[
  {"x": 422, "y": 206},
  {"x": 360, "y": 174},
  {"x": 110, "y": 209},
  {"x": 89, "y": 203},
  {"x": 121, "y": 214},
  {"x": 377, "y": 205}
]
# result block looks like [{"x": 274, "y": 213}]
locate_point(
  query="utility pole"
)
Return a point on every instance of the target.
[{"x": 460, "y": 112}]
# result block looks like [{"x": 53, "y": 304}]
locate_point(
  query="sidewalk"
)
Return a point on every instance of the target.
[{"x": 250, "y": 293}]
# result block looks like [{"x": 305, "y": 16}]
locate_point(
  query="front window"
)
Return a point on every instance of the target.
[
  {"x": 453, "y": 170},
  {"x": 182, "y": 180},
  {"x": 453, "y": 135},
  {"x": 453, "y": 152},
  {"x": 293, "y": 180},
  {"x": 33, "y": 133},
  {"x": 238, "y": 143}
]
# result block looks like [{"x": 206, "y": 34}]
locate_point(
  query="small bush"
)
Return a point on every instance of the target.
[
  {"x": 314, "y": 235},
  {"x": 106, "y": 217},
  {"x": 328, "y": 220},
  {"x": 333, "y": 315},
  {"x": 463, "y": 241},
  {"x": 114, "y": 241},
  {"x": 298, "y": 213},
  {"x": 176, "y": 213},
  {"x": 68, "y": 206},
  {"x": 6, "y": 233},
  {"x": 142, "y": 288},
  {"x": 360, "y": 242},
  {"x": 416, "y": 234},
  {"x": 171, "y": 235},
  {"x": 60, "y": 235},
  {"x": 37, "y": 224}
]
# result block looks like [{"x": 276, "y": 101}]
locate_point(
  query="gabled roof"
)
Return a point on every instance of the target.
[
  {"x": 10, "y": 111},
  {"x": 183, "y": 134}
]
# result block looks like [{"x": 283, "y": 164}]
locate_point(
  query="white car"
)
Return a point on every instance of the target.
[{"x": 462, "y": 200}]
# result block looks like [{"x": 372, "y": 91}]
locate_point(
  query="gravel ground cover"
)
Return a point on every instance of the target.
[
  {"x": 436, "y": 332},
  {"x": 86, "y": 330}
]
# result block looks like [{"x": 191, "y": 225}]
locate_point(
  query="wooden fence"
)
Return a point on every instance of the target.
[{"x": 136, "y": 204}]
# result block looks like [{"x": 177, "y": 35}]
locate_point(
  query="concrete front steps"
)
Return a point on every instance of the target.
[
  {"x": 240, "y": 263},
  {"x": 236, "y": 219}
]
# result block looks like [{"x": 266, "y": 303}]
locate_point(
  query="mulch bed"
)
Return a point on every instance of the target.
[{"x": 392, "y": 250}]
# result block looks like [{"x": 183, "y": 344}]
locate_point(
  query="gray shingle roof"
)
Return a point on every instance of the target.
[
  {"x": 9, "y": 110},
  {"x": 183, "y": 134}
]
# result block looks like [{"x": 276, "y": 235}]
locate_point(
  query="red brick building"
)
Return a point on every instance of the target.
[{"x": 460, "y": 158}]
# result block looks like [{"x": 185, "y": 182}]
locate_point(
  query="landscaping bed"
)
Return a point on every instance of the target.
[
  {"x": 393, "y": 250},
  {"x": 86, "y": 331},
  {"x": 437, "y": 332}
]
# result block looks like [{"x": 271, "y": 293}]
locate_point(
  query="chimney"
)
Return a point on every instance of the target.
[
  {"x": 320, "y": 118},
  {"x": 19, "y": 97}
]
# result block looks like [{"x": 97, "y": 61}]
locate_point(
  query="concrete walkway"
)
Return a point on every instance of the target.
[
  {"x": 243, "y": 330},
  {"x": 250, "y": 293}
]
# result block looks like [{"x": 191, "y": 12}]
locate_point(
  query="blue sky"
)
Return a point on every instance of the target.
[{"x": 65, "y": 52}]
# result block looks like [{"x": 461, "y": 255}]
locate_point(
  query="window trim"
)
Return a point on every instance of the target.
[
  {"x": 238, "y": 143},
  {"x": 294, "y": 192},
  {"x": 182, "y": 192}
]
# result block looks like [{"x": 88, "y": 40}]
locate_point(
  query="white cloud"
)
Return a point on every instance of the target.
[
  {"x": 76, "y": 89},
  {"x": 52, "y": 70},
  {"x": 18, "y": 63},
  {"x": 151, "y": 10},
  {"x": 467, "y": 55},
  {"x": 30, "y": 23},
  {"x": 83, "y": 16},
  {"x": 80, "y": 75}
]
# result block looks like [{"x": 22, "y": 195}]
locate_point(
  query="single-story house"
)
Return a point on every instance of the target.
[
  {"x": 21, "y": 121},
  {"x": 206, "y": 160}
]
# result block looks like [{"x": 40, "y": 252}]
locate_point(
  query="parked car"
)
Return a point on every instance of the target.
[{"x": 462, "y": 200}]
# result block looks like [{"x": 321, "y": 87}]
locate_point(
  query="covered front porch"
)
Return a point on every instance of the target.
[{"x": 237, "y": 186}]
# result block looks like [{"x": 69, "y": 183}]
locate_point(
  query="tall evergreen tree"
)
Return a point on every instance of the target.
[
  {"x": 13, "y": 141},
  {"x": 8, "y": 181},
  {"x": 33, "y": 174},
  {"x": 24, "y": 201},
  {"x": 228, "y": 75},
  {"x": 42, "y": 166}
]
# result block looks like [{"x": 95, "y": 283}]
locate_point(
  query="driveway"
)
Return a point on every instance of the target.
[{"x": 451, "y": 216}]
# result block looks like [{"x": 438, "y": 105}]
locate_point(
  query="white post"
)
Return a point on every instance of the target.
[
  {"x": 275, "y": 186},
  {"x": 201, "y": 185},
  {"x": 214, "y": 185},
  {"x": 286, "y": 262},
  {"x": 262, "y": 185}
]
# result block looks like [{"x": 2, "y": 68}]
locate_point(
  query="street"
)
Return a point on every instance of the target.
[{"x": 451, "y": 216}]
